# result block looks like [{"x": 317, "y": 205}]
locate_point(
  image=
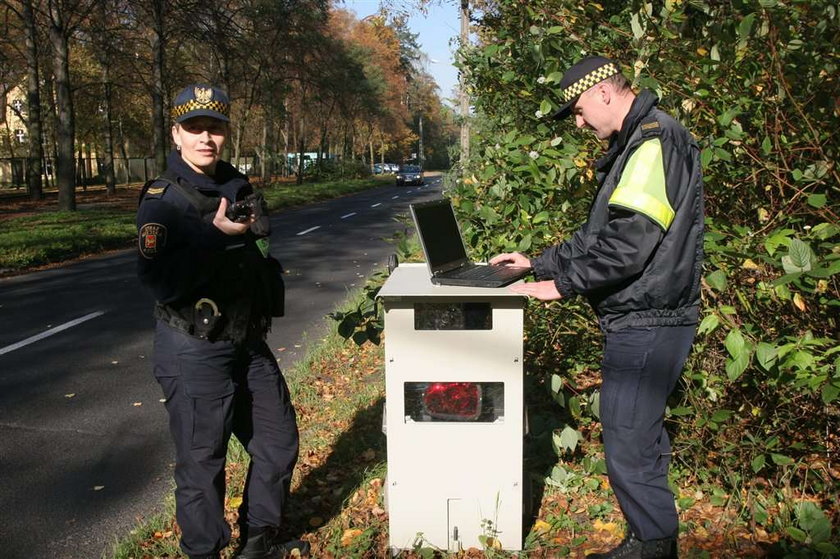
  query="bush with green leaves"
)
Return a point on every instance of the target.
[
  {"x": 336, "y": 169},
  {"x": 756, "y": 83}
]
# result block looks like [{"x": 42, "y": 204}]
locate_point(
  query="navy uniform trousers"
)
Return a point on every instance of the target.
[
  {"x": 640, "y": 369},
  {"x": 213, "y": 389}
]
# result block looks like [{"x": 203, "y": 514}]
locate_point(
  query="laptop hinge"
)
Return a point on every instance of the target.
[{"x": 448, "y": 267}]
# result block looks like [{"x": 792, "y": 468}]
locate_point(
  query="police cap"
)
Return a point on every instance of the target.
[
  {"x": 580, "y": 77},
  {"x": 201, "y": 100}
]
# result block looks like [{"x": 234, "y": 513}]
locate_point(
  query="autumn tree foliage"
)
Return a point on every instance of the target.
[{"x": 302, "y": 76}]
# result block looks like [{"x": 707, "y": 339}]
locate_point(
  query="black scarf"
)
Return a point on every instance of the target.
[{"x": 227, "y": 181}]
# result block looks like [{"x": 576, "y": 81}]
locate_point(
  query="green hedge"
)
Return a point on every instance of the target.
[{"x": 756, "y": 83}]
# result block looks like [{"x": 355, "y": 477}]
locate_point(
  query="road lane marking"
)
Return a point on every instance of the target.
[
  {"x": 311, "y": 229},
  {"x": 395, "y": 197},
  {"x": 50, "y": 332},
  {"x": 376, "y": 204},
  {"x": 348, "y": 215}
]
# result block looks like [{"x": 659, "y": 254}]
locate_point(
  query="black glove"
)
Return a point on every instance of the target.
[{"x": 252, "y": 205}]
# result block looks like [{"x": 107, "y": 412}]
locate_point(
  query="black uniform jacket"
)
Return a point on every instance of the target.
[
  {"x": 638, "y": 258},
  {"x": 183, "y": 257}
]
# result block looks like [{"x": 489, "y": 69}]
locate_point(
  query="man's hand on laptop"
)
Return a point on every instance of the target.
[
  {"x": 542, "y": 290},
  {"x": 511, "y": 259}
]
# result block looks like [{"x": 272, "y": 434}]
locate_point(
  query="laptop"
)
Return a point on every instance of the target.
[{"x": 446, "y": 255}]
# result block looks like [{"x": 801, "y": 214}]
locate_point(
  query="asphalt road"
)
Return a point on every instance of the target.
[{"x": 84, "y": 447}]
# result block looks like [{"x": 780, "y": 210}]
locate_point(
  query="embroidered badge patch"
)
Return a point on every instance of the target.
[{"x": 152, "y": 239}]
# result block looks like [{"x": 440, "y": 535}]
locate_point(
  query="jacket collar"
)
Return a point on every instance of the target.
[
  {"x": 227, "y": 179},
  {"x": 641, "y": 106}
]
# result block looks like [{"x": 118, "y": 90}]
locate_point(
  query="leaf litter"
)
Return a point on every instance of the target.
[{"x": 337, "y": 501}]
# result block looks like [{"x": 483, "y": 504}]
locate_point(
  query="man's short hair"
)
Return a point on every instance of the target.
[{"x": 619, "y": 82}]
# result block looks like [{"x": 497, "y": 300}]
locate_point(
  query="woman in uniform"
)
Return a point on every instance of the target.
[{"x": 203, "y": 253}]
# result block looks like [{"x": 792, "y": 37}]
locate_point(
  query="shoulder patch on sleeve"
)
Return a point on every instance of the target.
[
  {"x": 152, "y": 239},
  {"x": 642, "y": 188}
]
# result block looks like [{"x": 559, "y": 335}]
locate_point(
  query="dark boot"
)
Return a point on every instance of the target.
[
  {"x": 262, "y": 543},
  {"x": 629, "y": 548},
  {"x": 666, "y": 548},
  {"x": 634, "y": 548}
]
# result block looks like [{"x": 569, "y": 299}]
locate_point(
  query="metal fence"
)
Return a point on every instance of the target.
[{"x": 90, "y": 171}]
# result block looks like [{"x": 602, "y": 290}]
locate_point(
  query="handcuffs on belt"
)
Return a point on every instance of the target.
[{"x": 206, "y": 317}]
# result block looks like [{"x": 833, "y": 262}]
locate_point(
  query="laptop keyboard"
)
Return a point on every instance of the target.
[{"x": 484, "y": 272}]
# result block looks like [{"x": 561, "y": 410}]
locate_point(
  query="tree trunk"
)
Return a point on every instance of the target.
[
  {"x": 462, "y": 94},
  {"x": 81, "y": 168},
  {"x": 108, "y": 135},
  {"x": 158, "y": 53},
  {"x": 124, "y": 152},
  {"x": 301, "y": 149},
  {"x": 322, "y": 145},
  {"x": 49, "y": 135},
  {"x": 65, "y": 126},
  {"x": 286, "y": 125},
  {"x": 370, "y": 151},
  {"x": 35, "y": 166},
  {"x": 420, "y": 158},
  {"x": 264, "y": 152},
  {"x": 237, "y": 140}
]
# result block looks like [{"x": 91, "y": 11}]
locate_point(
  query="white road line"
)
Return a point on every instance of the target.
[
  {"x": 376, "y": 204},
  {"x": 311, "y": 229},
  {"x": 348, "y": 215},
  {"x": 395, "y": 197},
  {"x": 50, "y": 332}
]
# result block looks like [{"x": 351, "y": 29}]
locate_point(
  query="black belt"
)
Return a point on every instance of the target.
[{"x": 204, "y": 320}]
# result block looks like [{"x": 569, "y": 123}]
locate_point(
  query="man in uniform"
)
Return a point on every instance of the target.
[
  {"x": 637, "y": 259},
  {"x": 205, "y": 259}
]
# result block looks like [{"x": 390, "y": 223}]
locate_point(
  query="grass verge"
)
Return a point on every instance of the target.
[{"x": 41, "y": 237}]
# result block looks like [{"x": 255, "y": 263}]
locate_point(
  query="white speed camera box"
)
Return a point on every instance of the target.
[{"x": 454, "y": 413}]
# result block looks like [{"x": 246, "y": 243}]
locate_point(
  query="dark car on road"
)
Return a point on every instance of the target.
[{"x": 409, "y": 174}]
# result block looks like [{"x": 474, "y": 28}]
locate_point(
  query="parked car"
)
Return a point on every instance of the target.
[
  {"x": 409, "y": 174},
  {"x": 379, "y": 168},
  {"x": 391, "y": 167}
]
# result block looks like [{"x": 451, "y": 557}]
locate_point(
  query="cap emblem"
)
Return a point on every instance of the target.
[{"x": 203, "y": 95}]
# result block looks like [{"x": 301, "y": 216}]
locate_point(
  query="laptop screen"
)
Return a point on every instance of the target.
[{"x": 439, "y": 231}]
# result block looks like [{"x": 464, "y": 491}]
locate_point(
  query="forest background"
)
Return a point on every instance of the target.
[{"x": 303, "y": 76}]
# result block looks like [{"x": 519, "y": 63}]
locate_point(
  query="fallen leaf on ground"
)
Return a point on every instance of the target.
[
  {"x": 541, "y": 527},
  {"x": 70, "y": 395},
  {"x": 610, "y": 527},
  {"x": 349, "y": 535}
]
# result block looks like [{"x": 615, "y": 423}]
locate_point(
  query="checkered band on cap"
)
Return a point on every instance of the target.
[
  {"x": 590, "y": 79},
  {"x": 193, "y": 105}
]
